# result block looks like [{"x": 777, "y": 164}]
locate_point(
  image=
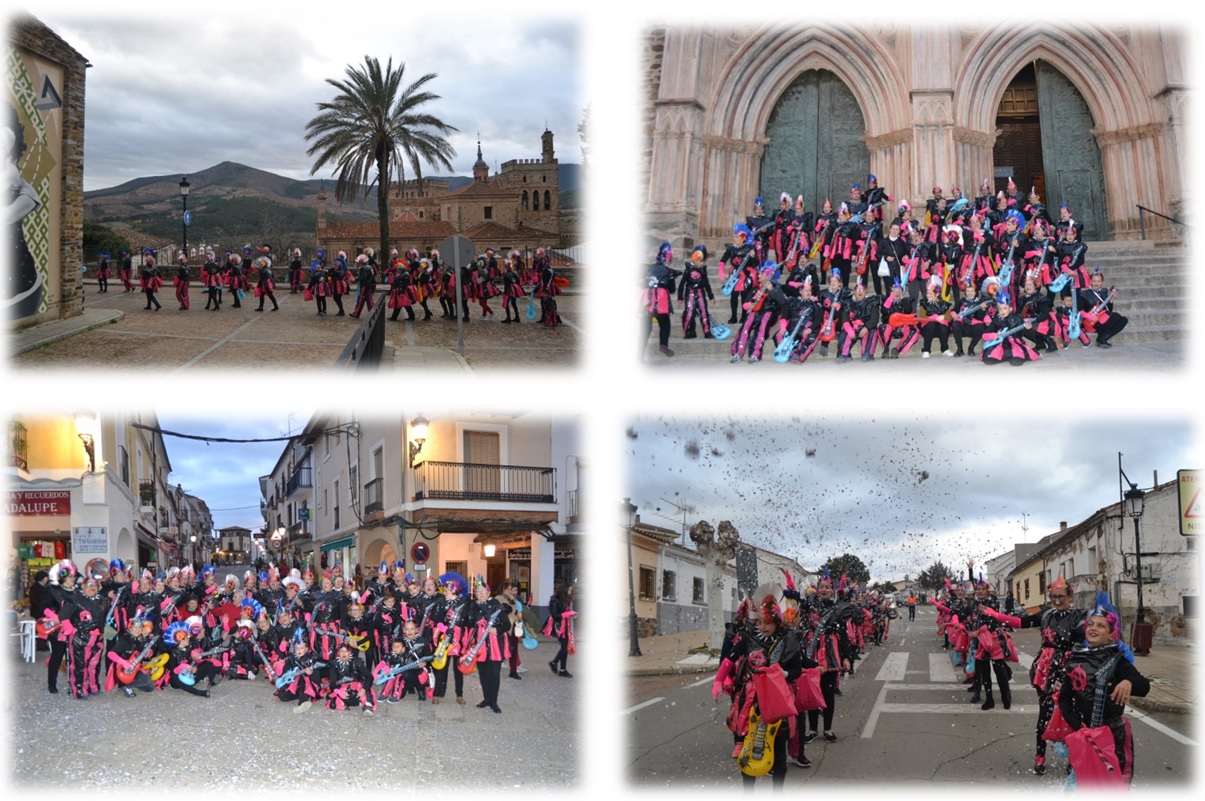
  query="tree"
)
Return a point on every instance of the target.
[
  {"x": 372, "y": 129},
  {"x": 716, "y": 553},
  {"x": 849, "y": 566},
  {"x": 99, "y": 237},
  {"x": 933, "y": 577}
]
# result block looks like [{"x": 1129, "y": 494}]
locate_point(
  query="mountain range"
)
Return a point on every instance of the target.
[{"x": 231, "y": 201}]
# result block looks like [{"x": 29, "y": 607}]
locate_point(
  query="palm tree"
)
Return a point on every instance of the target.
[{"x": 375, "y": 124}]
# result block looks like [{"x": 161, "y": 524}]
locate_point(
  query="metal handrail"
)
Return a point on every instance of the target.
[
  {"x": 1142, "y": 219},
  {"x": 486, "y": 482},
  {"x": 364, "y": 350}
]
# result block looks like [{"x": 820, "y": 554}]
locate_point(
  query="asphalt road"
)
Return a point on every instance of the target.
[
  {"x": 903, "y": 721},
  {"x": 243, "y": 739}
]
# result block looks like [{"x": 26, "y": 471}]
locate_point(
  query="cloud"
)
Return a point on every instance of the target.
[
  {"x": 175, "y": 93},
  {"x": 898, "y": 493}
]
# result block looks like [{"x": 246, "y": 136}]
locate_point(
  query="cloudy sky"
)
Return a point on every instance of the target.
[
  {"x": 898, "y": 493},
  {"x": 226, "y": 475},
  {"x": 190, "y": 86}
]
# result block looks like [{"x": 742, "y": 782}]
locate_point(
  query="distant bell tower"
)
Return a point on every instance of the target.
[
  {"x": 548, "y": 155},
  {"x": 481, "y": 170}
]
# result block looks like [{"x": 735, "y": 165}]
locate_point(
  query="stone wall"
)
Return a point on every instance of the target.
[{"x": 29, "y": 37}]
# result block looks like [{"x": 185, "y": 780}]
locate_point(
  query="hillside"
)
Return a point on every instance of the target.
[{"x": 230, "y": 202}]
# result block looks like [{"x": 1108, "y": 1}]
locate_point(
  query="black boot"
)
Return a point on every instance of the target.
[
  {"x": 976, "y": 698},
  {"x": 990, "y": 703}
]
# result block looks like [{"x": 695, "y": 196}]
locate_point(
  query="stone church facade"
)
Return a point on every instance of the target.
[
  {"x": 1094, "y": 116},
  {"x": 517, "y": 208}
]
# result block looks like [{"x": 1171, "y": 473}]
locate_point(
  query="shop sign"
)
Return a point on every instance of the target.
[{"x": 39, "y": 503}]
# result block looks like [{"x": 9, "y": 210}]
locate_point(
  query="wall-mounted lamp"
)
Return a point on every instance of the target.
[
  {"x": 88, "y": 429},
  {"x": 418, "y": 435},
  {"x": 490, "y": 550}
]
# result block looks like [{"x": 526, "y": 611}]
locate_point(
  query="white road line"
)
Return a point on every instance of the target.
[
  {"x": 700, "y": 682},
  {"x": 895, "y": 667},
  {"x": 939, "y": 667},
  {"x": 649, "y": 702},
  {"x": 873, "y": 719},
  {"x": 1154, "y": 724},
  {"x": 951, "y": 709}
]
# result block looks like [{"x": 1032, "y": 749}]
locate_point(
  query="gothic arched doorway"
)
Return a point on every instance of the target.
[
  {"x": 1046, "y": 142},
  {"x": 816, "y": 147}
]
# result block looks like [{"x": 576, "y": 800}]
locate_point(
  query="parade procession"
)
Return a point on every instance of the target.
[{"x": 773, "y": 650}]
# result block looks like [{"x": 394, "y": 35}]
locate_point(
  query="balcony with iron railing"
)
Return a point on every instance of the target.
[
  {"x": 464, "y": 481},
  {"x": 146, "y": 493},
  {"x": 374, "y": 503},
  {"x": 302, "y": 478}
]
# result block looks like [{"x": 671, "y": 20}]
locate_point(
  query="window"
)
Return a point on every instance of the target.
[
  {"x": 1190, "y": 605},
  {"x": 19, "y": 442},
  {"x": 648, "y": 580},
  {"x": 1026, "y": 588},
  {"x": 547, "y": 200},
  {"x": 1041, "y": 584},
  {"x": 378, "y": 463},
  {"x": 535, "y": 201},
  {"x": 697, "y": 596},
  {"x": 483, "y": 449},
  {"x": 458, "y": 567},
  {"x": 669, "y": 585},
  {"x": 524, "y": 201},
  {"x": 489, "y": 212},
  {"x": 123, "y": 464},
  {"x": 353, "y": 482}
]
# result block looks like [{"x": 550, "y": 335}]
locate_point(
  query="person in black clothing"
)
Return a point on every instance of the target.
[
  {"x": 1100, "y": 680},
  {"x": 695, "y": 290},
  {"x": 366, "y": 284},
  {"x": 560, "y": 626},
  {"x": 1096, "y": 305},
  {"x": 265, "y": 286},
  {"x": 658, "y": 297},
  {"x": 295, "y": 272},
  {"x": 85, "y": 615},
  {"x": 151, "y": 281}
]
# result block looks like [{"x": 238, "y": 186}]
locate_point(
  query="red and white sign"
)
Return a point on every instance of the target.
[{"x": 39, "y": 503}]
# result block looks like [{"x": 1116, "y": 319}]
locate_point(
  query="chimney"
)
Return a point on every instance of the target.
[{"x": 1062, "y": 525}]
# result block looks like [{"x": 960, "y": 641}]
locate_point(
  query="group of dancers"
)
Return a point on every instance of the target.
[
  {"x": 1084, "y": 674},
  {"x": 313, "y": 640},
  {"x": 994, "y": 272},
  {"x": 409, "y": 281},
  {"x": 783, "y": 659},
  {"x": 816, "y": 638}
]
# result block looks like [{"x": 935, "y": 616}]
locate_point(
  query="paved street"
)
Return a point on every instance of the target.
[
  {"x": 243, "y": 739},
  {"x": 903, "y": 719},
  {"x": 126, "y": 336},
  {"x": 1161, "y": 357}
]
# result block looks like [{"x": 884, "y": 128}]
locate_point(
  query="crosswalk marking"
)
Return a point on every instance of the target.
[{"x": 894, "y": 667}]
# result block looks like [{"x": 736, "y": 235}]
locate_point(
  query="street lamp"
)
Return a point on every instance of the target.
[
  {"x": 184, "y": 199},
  {"x": 1140, "y": 638},
  {"x": 88, "y": 429},
  {"x": 418, "y": 436},
  {"x": 627, "y": 511}
]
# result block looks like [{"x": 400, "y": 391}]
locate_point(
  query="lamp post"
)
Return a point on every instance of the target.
[
  {"x": 1140, "y": 638},
  {"x": 627, "y": 511},
  {"x": 184, "y": 199}
]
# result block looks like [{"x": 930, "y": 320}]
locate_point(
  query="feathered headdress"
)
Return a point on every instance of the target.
[
  {"x": 770, "y": 610},
  {"x": 251, "y": 606},
  {"x": 175, "y": 633}
]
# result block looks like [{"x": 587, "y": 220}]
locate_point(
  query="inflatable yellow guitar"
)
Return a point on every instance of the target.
[{"x": 757, "y": 754}]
